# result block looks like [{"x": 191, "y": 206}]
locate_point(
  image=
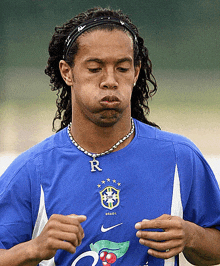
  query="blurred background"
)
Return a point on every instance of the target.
[{"x": 183, "y": 39}]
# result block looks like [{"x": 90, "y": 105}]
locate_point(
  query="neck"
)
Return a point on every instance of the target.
[{"x": 97, "y": 139}]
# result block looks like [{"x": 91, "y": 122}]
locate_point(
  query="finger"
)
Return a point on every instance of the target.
[
  {"x": 68, "y": 224},
  {"x": 156, "y": 236},
  {"x": 68, "y": 219},
  {"x": 64, "y": 245},
  {"x": 79, "y": 233},
  {"x": 161, "y": 236},
  {"x": 164, "y": 255},
  {"x": 162, "y": 217},
  {"x": 74, "y": 238},
  {"x": 80, "y": 218},
  {"x": 74, "y": 228},
  {"x": 164, "y": 222},
  {"x": 160, "y": 246}
]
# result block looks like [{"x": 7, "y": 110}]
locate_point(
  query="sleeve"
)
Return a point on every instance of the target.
[
  {"x": 199, "y": 188},
  {"x": 18, "y": 194}
]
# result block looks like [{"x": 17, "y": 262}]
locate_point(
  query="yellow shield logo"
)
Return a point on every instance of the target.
[{"x": 110, "y": 197}]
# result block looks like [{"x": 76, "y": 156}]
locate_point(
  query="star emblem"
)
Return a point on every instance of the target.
[{"x": 109, "y": 180}]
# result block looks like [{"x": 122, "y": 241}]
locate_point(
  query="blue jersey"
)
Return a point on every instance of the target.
[{"x": 157, "y": 173}]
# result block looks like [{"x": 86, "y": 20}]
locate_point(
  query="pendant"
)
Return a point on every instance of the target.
[{"x": 95, "y": 165}]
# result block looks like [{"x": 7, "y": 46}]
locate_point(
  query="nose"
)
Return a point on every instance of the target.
[{"x": 109, "y": 80}]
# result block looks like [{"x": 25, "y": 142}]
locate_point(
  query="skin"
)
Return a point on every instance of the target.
[
  {"x": 101, "y": 83},
  {"x": 60, "y": 232},
  {"x": 200, "y": 246}
]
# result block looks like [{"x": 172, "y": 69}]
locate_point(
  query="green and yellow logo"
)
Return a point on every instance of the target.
[{"x": 110, "y": 197}]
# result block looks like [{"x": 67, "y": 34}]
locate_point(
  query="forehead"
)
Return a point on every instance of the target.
[{"x": 105, "y": 44}]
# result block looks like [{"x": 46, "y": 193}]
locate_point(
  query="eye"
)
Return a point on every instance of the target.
[
  {"x": 94, "y": 70},
  {"x": 123, "y": 69}
]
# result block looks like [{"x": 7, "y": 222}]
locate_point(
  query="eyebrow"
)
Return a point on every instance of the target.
[
  {"x": 100, "y": 61},
  {"x": 94, "y": 60},
  {"x": 126, "y": 59}
]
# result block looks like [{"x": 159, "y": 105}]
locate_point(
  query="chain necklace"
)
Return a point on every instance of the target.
[{"x": 95, "y": 163}]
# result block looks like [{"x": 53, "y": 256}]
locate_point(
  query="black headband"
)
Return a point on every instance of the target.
[{"x": 91, "y": 24}]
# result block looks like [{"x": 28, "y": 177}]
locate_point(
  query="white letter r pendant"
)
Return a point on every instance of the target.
[{"x": 95, "y": 164}]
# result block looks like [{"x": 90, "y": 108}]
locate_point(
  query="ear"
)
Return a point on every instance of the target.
[
  {"x": 137, "y": 72},
  {"x": 66, "y": 72}
]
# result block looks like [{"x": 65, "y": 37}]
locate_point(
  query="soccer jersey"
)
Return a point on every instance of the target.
[{"x": 157, "y": 173}]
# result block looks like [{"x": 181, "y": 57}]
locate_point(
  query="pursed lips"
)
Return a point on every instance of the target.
[{"x": 110, "y": 102}]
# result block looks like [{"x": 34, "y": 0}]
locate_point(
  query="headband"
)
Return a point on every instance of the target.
[{"x": 91, "y": 24}]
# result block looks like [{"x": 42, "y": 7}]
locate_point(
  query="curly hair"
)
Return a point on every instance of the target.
[{"x": 141, "y": 91}]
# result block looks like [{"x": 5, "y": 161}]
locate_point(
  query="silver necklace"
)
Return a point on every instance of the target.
[{"x": 95, "y": 163}]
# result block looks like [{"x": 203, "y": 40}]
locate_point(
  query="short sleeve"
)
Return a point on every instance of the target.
[
  {"x": 18, "y": 195},
  {"x": 199, "y": 188}
]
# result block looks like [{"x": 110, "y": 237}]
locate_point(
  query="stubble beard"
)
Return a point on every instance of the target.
[{"x": 108, "y": 118}]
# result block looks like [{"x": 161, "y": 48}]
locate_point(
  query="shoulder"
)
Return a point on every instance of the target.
[
  {"x": 54, "y": 142},
  {"x": 29, "y": 161},
  {"x": 164, "y": 144},
  {"x": 163, "y": 138}
]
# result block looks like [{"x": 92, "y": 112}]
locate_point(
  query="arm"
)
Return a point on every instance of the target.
[
  {"x": 201, "y": 246},
  {"x": 61, "y": 232},
  {"x": 19, "y": 255},
  {"x": 204, "y": 248}
]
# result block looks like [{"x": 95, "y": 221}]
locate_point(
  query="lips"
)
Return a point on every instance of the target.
[
  {"x": 110, "y": 102},
  {"x": 109, "y": 98}
]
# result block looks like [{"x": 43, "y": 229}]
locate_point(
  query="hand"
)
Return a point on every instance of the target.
[
  {"x": 164, "y": 244},
  {"x": 60, "y": 232}
]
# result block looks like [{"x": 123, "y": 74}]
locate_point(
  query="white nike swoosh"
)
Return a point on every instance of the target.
[{"x": 109, "y": 228}]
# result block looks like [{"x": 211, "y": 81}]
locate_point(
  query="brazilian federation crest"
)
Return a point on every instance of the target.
[{"x": 110, "y": 197}]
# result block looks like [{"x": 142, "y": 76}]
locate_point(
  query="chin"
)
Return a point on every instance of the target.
[{"x": 108, "y": 121}]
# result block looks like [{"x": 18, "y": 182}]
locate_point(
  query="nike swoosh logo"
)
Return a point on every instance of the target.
[{"x": 109, "y": 228}]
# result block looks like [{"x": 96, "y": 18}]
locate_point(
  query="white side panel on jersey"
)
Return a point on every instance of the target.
[
  {"x": 176, "y": 208},
  {"x": 41, "y": 221}
]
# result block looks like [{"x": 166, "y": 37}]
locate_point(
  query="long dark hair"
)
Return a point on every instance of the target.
[{"x": 141, "y": 91}]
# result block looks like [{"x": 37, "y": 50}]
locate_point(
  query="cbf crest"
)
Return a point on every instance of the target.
[{"x": 110, "y": 195}]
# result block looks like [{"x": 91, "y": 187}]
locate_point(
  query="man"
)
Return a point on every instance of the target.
[{"x": 107, "y": 189}]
